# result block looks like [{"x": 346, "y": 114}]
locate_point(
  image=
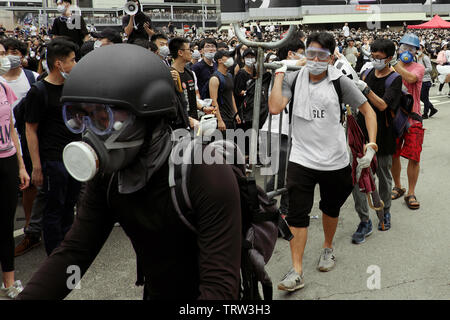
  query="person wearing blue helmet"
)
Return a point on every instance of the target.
[{"x": 410, "y": 144}]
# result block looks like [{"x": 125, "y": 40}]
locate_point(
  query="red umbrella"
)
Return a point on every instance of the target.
[{"x": 366, "y": 181}]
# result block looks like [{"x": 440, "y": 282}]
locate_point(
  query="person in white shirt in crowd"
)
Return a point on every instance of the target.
[{"x": 346, "y": 30}]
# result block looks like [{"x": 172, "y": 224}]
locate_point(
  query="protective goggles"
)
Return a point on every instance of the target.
[
  {"x": 322, "y": 54},
  {"x": 407, "y": 47},
  {"x": 102, "y": 119},
  {"x": 372, "y": 59}
]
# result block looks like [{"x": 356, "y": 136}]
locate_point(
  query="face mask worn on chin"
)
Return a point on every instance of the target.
[
  {"x": 229, "y": 62},
  {"x": 64, "y": 74},
  {"x": 14, "y": 60},
  {"x": 316, "y": 68},
  {"x": 5, "y": 65}
]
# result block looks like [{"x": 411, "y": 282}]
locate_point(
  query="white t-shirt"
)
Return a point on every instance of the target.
[
  {"x": 320, "y": 144},
  {"x": 346, "y": 30},
  {"x": 20, "y": 86},
  {"x": 33, "y": 30}
]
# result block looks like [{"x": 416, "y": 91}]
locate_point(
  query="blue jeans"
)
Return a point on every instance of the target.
[{"x": 61, "y": 192}]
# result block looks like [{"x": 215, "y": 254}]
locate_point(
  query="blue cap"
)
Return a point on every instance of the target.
[{"x": 411, "y": 39}]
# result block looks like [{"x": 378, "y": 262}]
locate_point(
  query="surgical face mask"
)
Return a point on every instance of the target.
[
  {"x": 61, "y": 8},
  {"x": 164, "y": 51},
  {"x": 97, "y": 44},
  {"x": 299, "y": 55},
  {"x": 5, "y": 65},
  {"x": 316, "y": 68},
  {"x": 112, "y": 139},
  {"x": 250, "y": 62},
  {"x": 379, "y": 64},
  {"x": 64, "y": 74},
  {"x": 196, "y": 55},
  {"x": 14, "y": 60},
  {"x": 229, "y": 62},
  {"x": 210, "y": 55}
]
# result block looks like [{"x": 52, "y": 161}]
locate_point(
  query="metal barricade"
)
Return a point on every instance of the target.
[{"x": 260, "y": 67}]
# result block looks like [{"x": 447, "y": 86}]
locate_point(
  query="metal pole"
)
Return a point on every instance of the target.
[
  {"x": 44, "y": 9},
  {"x": 203, "y": 17},
  {"x": 258, "y": 85}
]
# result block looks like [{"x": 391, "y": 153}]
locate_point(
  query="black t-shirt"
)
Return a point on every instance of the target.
[
  {"x": 385, "y": 133},
  {"x": 188, "y": 84},
  {"x": 53, "y": 134},
  {"x": 203, "y": 72},
  {"x": 60, "y": 28},
  {"x": 138, "y": 31},
  {"x": 177, "y": 264},
  {"x": 225, "y": 98},
  {"x": 240, "y": 84}
]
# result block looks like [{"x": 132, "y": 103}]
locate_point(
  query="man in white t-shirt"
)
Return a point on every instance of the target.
[
  {"x": 319, "y": 148},
  {"x": 33, "y": 30}
]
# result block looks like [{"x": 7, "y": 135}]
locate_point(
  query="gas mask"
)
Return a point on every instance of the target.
[{"x": 111, "y": 140}]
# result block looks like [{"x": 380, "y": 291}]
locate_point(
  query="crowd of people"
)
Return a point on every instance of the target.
[{"x": 59, "y": 90}]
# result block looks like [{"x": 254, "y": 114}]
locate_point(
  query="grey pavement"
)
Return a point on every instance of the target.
[{"x": 413, "y": 257}]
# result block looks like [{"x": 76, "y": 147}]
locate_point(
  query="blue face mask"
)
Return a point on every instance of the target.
[{"x": 406, "y": 57}]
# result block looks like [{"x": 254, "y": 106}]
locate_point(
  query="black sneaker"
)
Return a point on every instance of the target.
[
  {"x": 433, "y": 112},
  {"x": 387, "y": 222},
  {"x": 364, "y": 230},
  {"x": 424, "y": 116}
]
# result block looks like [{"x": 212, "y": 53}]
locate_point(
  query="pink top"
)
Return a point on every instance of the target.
[
  {"x": 7, "y": 148},
  {"x": 415, "y": 88}
]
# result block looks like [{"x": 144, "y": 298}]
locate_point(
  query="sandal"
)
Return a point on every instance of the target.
[
  {"x": 412, "y": 203},
  {"x": 397, "y": 193}
]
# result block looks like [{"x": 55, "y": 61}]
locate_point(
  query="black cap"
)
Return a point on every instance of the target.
[
  {"x": 248, "y": 52},
  {"x": 108, "y": 33},
  {"x": 222, "y": 53}
]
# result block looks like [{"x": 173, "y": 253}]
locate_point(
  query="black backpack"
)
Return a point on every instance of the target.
[
  {"x": 260, "y": 215},
  {"x": 401, "y": 116},
  {"x": 246, "y": 108}
]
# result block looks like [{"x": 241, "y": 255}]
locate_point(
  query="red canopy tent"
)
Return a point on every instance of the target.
[{"x": 435, "y": 23}]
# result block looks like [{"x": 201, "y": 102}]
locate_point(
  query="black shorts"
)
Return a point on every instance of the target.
[{"x": 335, "y": 187}]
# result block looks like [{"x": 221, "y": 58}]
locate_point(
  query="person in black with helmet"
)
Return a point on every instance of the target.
[{"x": 123, "y": 156}]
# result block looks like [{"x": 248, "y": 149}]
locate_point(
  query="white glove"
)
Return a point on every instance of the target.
[
  {"x": 361, "y": 85},
  {"x": 364, "y": 162},
  {"x": 283, "y": 69}
]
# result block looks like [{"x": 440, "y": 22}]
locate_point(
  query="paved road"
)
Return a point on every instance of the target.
[{"x": 413, "y": 257}]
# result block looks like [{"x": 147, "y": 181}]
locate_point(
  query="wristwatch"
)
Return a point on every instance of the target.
[{"x": 366, "y": 90}]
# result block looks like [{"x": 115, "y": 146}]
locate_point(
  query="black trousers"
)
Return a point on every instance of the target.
[{"x": 9, "y": 188}]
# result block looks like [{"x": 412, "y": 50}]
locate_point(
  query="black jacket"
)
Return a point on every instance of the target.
[{"x": 176, "y": 263}]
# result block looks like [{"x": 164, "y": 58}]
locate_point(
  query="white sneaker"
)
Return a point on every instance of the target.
[
  {"x": 440, "y": 93},
  {"x": 13, "y": 291}
]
